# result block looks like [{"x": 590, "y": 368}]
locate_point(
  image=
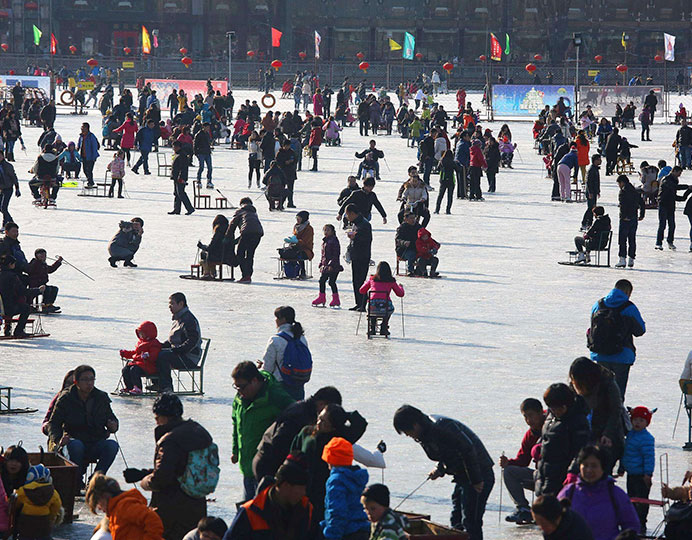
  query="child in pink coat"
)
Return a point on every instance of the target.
[{"x": 378, "y": 288}]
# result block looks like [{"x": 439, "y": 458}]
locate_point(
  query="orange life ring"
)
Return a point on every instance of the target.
[
  {"x": 69, "y": 94},
  {"x": 272, "y": 99}
]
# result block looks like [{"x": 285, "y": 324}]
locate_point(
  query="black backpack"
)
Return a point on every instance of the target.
[{"x": 608, "y": 330}]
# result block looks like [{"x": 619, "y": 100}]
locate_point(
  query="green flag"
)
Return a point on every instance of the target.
[
  {"x": 409, "y": 46},
  {"x": 506, "y": 43},
  {"x": 37, "y": 35}
]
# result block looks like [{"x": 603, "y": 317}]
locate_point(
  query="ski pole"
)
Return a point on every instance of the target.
[
  {"x": 403, "y": 327},
  {"x": 407, "y": 496},
  {"x": 231, "y": 207},
  {"x": 120, "y": 448},
  {"x": 360, "y": 315},
  {"x": 73, "y": 266},
  {"x": 387, "y": 164},
  {"x": 499, "y": 510}
]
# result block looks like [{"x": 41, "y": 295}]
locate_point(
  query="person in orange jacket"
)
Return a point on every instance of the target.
[
  {"x": 143, "y": 358},
  {"x": 129, "y": 517}
]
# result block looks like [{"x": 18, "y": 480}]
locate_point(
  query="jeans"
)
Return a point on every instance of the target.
[
  {"x": 180, "y": 196},
  {"x": 686, "y": 156},
  {"x": 448, "y": 187},
  {"x": 377, "y": 170},
  {"x": 9, "y": 144},
  {"x": 580, "y": 242},
  {"x": 491, "y": 175},
  {"x": 359, "y": 272},
  {"x": 645, "y": 129},
  {"x": 462, "y": 180},
  {"x": 81, "y": 454},
  {"x": 253, "y": 167},
  {"x": 247, "y": 244},
  {"x": 74, "y": 167},
  {"x": 5, "y": 196},
  {"x": 409, "y": 255},
  {"x": 89, "y": 171},
  {"x": 50, "y": 294},
  {"x": 173, "y": 111},
  {"x": 204, "y": 159},
  {"x": 475, "y": 175},
  {"x": 468, "y": 506},
  {"x": 143, "y": 161},
  {"x": 363, "y": 126},
  {"x": 427, "y": 169},
  {"x": 517, "y": 479},
  {"x": 297, "y": 392},
  {"x": 249, "y": 487},
  {"x": 636, "y": 487},
  {"x": 622, "y": 373},
  {"x": 587, "y": 220},
  {"x": 628, "y": 235},
  {"x": 168, "y": 360},
  {"x": 665, "y": 215}
]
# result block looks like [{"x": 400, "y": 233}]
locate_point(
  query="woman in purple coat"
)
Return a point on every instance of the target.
[
  {"x": 329, "y": 267},
  {"x": 605, "y": 507},
  {"x": 317, "y": 103}
]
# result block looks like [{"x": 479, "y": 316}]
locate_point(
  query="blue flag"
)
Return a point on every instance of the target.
[{"x": 409, "y": 46}]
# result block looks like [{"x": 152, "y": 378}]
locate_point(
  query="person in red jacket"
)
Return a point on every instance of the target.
[
  {"x": 143, "y": 358},
  {"x": 516, "y": 472},
  {"x": 128, "y": 129},
  {"x": 426, "y": 248},
  {"x": 477, "y": 164},
  {"x": 315, "y": 142}
]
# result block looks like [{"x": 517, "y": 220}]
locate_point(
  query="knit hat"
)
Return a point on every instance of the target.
[
  {"x": 338, "y": 452},
  {"x": 304, "y": 215},
  {"x": 168, "y": 405},
  {"x": 378, "y": 493},
  {"x": 293, "y": 471},
  {"x": 38, "y": 473},
  {"x": 641, "y": 412}
]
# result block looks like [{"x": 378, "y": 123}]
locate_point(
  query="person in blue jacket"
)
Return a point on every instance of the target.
[
  {"x": 462, "y": 160},
  {"x": 621, "y": 362},
  {"x": 88, "y": 146},
  {"x": 145, "y": 139},
  {"x": 344, "y": 517},
  {"x": 564, "y": 172}
]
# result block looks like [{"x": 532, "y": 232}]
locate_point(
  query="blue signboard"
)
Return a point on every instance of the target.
[{"x": 528, "y": 99}]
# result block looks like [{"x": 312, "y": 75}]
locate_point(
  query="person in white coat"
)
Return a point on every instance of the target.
[
  {"x": 687, "y": 376},
  {"x": 435, "y": 80}
]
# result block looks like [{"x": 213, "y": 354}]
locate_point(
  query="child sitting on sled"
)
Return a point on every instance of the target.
[
  {"x": 381, "y": 286},
  {"x": 426, "y": 249},
  {"x": 143, "y": 358}
]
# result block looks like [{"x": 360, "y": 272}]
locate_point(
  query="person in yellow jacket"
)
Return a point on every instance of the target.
[{"x": 38, "y": 505}]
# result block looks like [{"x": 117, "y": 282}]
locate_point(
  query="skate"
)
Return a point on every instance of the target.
[
  {"x": 671, "y": 246},
  {"x": 630, "y": 262},
  {"x": 210, "y": 184},
  {"x": 335, "y": 303},
  {"x": 658, "y": 247},
  {"x": 581, "y": 258},
  {"x": 320, "y": 300},
  {"x": 621, "y": 263}
]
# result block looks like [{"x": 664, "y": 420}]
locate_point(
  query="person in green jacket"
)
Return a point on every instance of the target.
[{"x": 259, "y": 400}]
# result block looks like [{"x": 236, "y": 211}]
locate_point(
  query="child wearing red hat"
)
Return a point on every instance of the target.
[{"x": 639, "y": 460}]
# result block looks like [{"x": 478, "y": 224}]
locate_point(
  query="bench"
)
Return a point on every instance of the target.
[
  {"x": 597, "y": 257},
  {"x": 163, "y": 168}
]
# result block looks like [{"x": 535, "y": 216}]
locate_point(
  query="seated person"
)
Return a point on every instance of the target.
[
  {"x": 45, "y": 169},
  {"x": 14, "y": 295},
  {"x": 143, "y": 358},
  {"x": 331, "y": 132},
  {"x": 506, "y": 151},
  {"x": 594, "y": 238},
  {"x": 301, "y": 244},
  {"x": 70, "y": 161},
  {"x": 648, "y": 175},
  {"x": 663, "y": 169},
  {"x": 517, "y": 472},
  {"x": 166, "y": 130},
  {"x": 275, "y": 180},
  {"x": 680, "y": 114},
  {"x": 208, "y": 528},
  {"x": 625, "y": 147},
  {"x": 680, "y": 528},
  {"x": 368, "y": 167},
  {"x": 216, "y": 252},
  {"x": 39, "y": 507},
  {"x": 414, "y": 199},
  {"x": 67, "y": 381},
  {"x": 109, "y": 138},
  {"x": 82, "y": 422},
  {"x": 405, "y": 241},
  {"x": 14, "y": 466},
  {"x": 385, "y": 523},
  {"x": 38, "y": 275},
  {"x": 376, "y": 155},
  {"x": 426, "y": 249},
  {"x": 382, "y": 283}
]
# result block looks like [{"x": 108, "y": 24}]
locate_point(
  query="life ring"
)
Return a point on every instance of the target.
[
  {"x": 271, "y": 98},
  {"x": 69, "y": 94}
]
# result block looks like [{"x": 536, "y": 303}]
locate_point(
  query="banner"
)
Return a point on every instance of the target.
[
  {"x": 37, "y": 35},
  {"x": 318, "y": 40},
  {"x": 409, "y": 46},
  {"x": 276, "y": 37},
  {"x": 527, "y": 99},
  {"x": 506, "y": 43},
  {"x": 670, "y": 47},
  {"x": 604, "y": 98},
  {"x": 146, "y": 41},
  {"x": 623, "y": 41},
  {"x": 393, "y": 45},
  {"x": 495, "y": 48},
  {"x": 163, "y": 87},
  {"x": 27, "y": 81},
  {"x": 53, "y": 44}
]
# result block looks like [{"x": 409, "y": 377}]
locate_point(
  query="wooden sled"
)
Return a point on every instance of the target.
[
  {"x": 423, "y": 529},
  {"x": 28, "y": 336}
]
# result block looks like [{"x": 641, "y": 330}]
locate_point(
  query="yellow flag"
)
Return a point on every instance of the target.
[
  {"x": 624, "y": 43},
  {"x": 146, "y": 41},
  {"x": 393, "y": 45}
]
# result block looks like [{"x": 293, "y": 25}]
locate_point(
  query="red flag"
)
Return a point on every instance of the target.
[
  {"x": 276, "y": 37},
  {"x": 495, "y": 48},
  {"x": 53, "y": 44}
]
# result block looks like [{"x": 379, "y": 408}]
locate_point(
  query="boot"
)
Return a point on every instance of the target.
[
  {"x": 621, "y": 263},
  {"x": 320, "y": 300},
  {"x": 630, "y": 262},
  {"x": 384, "y": 329},
  {"x": 335, "y": 300}
]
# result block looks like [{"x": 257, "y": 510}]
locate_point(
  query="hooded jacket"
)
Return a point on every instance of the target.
[
  {"x": 640, "y": 453},
  {"x": 125, "y": 243},
  {"x": 246, "y": 221},
  {"x": 477, "y": 157},
  {"x": 667, "y": 193},
  {"x": 331, "y": 252},
  {"x": 147, "y": 350},
  {"x": 129, "y": 518},
  {"x": 634, "y": 325},
  {"x": 425, "y": 246},
  {"x": 604, "y": 506},
  {"x": 13, "y": 291},
  {"x": 39, "y": 506},
  {"x": 46, "y": 165},
  {"x": 88, "y": 146},
  {"x": 129, "y": 130},
  {"x": 343, "y": 512},
  {"x": 595, "y": 239}
]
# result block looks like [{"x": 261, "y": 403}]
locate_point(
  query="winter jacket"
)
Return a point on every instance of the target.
[
  {"x": 561, "y": 440},
  {"x": 389, "y": 527},
  {"x": 129, "y": 130},
  {"x": 634, "y": 325},
  {"x": 582, "y": 153},
  {"x": 425, "y": 247},
  {"x": 12, "y": 247},
  {"x": 246, "y": 221},
  {"x": 332, "y": 130},
  {"x": 217, "y": 251},
  {"x": 667, "y": 193},
  {"x": 39, "y": 507},
  {"x": 129, "y": 518},
  {"x": 286, "y": 160},
  {"x": 147, "y": 350},
  {"x": 360, "y": 247},
  {"x": 117, "y": 168},
  {"x": 305, "y": 238},
  {"x": 125, "y": 243},
  {"x": 523, "y": 458},
  {"x": 252, "y": 418},
  {"x": 427, "y": 148},
  {"x": 572, "y": 527},
  {"x": 317, "y": 104},
  {"x": 605, "y": 405},
  {"x": 202, "y": 143},
  {"x": 38, "y": 272},
  {"x": 380, "y": 290},
  {"x": 571, "y": 159},
  {"x": 331, "y": 251},
  {"x": 406, "y": 233},
  {"x": 13, "y": 291},
  {"x": 364, "y": 201},
  {"x": 613, "y": 144},
  {"x": 88, "y": 146},
  {"x": 268, "y": 145},
  {"x": 315, "y": 137},
  {"x": 651, "y": 101},
  {"x": 684, "y": 136},
  {"x": 69, "y": 157},
  {"x": 462, "y": 153},
  {"x": 8, "y": 178},
  {"x": 492, "y": 156},
  {"x": 343, "y": 512},
  {"x": 46, "y": 165},
  {"x": 179, "y": 167},
  {"x": 593, "y": 182},
  {"x": 413, "y": 194},
  {"x": 595, "y": 239},
  {"x": 346, "y": 193},
  {"x": 274, "y": 354},
  {"x": 605, "y": 507},
  {"x": 630, "y": 201},
  {"x": 262, "y": 518},
  {"x": 185, "y": 337},
  {"x": 81, "y": 420},
  {"x": 640, "y": 453},
  {"x": 145, "y": 139},
  {"x": 477, "y": 158}
]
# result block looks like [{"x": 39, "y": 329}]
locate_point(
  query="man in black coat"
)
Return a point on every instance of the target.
[
  {"x": 359, "y": 251},
  {"x": 364, "y": 199},
  {"x": 631, "y": 212},
  {"x": 47, "y": 114},
  {"x": 667, "y": 195},
  {"x": 14, "y": 294},
  {"x": 561, "y": 148},
  {"x": 651, "y": 101},
  {"x": 427, "y": 155},
  {"x": 179, "y": 173},
  {"x": 286, "y": 160},
  {"x": 376, "y": 154},
  {"x": 364, "y": 117},
  {"x": 593, "y": 190},
  {"x": 612, "y": 150},
  {"x": 248, "y": 224},
  {"x": 405, "y": 241},
  {"x": 268, "y": 145}
]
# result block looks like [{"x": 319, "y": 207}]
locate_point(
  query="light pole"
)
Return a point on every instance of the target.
[
  {"x": 230, "y": 36},
  {"x": 576, "y": 39}
]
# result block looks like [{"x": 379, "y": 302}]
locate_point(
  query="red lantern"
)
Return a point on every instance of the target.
[
  {"x": 127, "y": 50},
  {"x": 186, "y": 60},
  {"x": 598, "y": 58},
  {"x": 251, "y": 53},
  {"x": 364, "y": 66},
  {"x": 448, "y": 67},
  {"x": 419, "y": 56},
  {"x": 11, "y": 72},
  {"x": 537, "y": 57},
  {"x": 530, "y": 67},
  {"x": 73, "y": 49},
  {"x": 303, "y": 55},
  {"x": 92, "y": 62},
  {"x": 4, "y": 47},
  {"x": 183, "y": 51},
  {"x": 360, "y": 55},
  {"x": 622, "y": 68},
  {"x": 482, "y": 58},
  {"x": 276, "y": 64},
  {"x": 658, "y": 58}
]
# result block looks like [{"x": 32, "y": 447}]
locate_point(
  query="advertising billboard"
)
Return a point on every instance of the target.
[
  {"x": 604, "y": 98},
  {"x": 164, "y": 87},
  {"x": 528, "y": 99}
]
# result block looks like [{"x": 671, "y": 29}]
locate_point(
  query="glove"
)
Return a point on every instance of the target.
[
  {"x": 133, "y": 475},
  {"x": 571, "y": 479},
  {"x": 17, "y": 193},
  {"x": 200, "y": 245},
  {"x": 122, "y": 352},
  {"x": 382, "y": 447}
]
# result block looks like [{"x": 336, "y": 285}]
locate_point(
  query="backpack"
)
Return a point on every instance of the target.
[
  {"x": 608, "y": 332},
  {"x": 296, "y": 367},
  {"x": 201, "y": 473}
]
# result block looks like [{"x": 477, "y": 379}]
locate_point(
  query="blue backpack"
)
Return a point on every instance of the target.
[
  {"x": 296, "y": 368},
  {"x": 202, "y": 471}
]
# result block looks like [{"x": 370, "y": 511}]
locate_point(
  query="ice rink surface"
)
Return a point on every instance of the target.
[{"x": 504, "y": 322}]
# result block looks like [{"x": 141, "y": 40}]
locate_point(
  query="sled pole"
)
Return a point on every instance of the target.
[
  {"x": 665, "y": 479},
  {"x": 499, "y": 510},
  {"x": 78, "y": 270},
  {"x": 360, "y": 315},
  {"x": 677, "y": 417},
  {"x": 353, "y": 163},
  {"x": 231, "y": 207},
  {"x": 403, "y": 327},
  {"x": 387, "y": 164},
  {"x": 407, "y": 496},
  {"x": 120, "y": 448}
]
